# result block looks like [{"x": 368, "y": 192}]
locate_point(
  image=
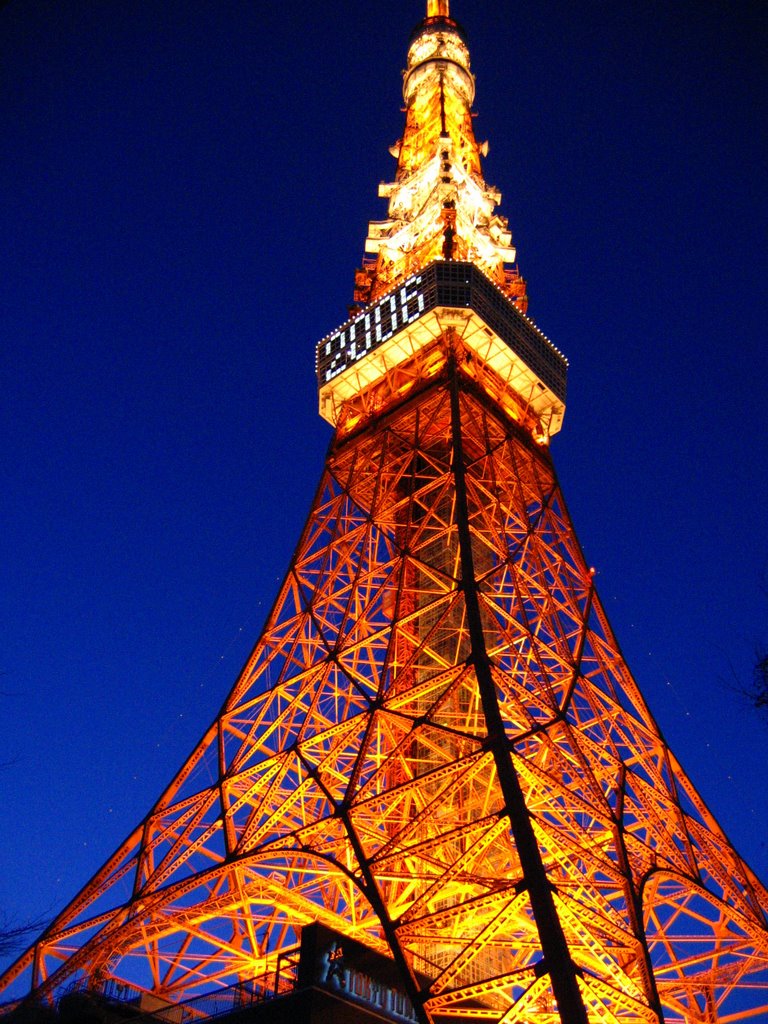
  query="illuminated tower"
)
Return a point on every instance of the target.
[{"x": 435, "y": 751}]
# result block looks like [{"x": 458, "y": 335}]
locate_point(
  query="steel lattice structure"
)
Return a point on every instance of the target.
[{"x": 436, "y": 747}]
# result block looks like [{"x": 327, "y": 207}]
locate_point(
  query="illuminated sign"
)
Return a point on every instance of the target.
[
  {"x": 338, "y": 974},
  {"x": 353, "y": 973},
  {"x": 442, "y": 285},
  {"x": 378, "y": 324}
]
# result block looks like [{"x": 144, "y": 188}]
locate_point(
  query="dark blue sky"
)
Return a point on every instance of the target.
[{"x": 184, "y": 193}]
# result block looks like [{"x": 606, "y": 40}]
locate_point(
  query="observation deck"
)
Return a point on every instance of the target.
[{"x": 405, "y": 336}]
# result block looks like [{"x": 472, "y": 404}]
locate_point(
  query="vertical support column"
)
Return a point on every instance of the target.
[
  {"x": 557, "y": 959},
  {"x": 635, "y": 905},
  {"x": 438, "y": 9}
]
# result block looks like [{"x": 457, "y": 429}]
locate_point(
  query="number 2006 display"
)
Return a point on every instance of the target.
[{"x": 370, "y": 330}]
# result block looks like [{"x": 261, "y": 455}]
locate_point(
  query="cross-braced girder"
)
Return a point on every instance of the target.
[{"x": 352, "y": 776}]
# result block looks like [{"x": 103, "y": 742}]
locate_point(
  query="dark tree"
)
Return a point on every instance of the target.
[
  {"x": 758, "y": 693},
  {"x": 14, "y": 937}
]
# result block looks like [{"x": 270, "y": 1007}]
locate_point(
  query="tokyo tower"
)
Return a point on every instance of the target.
[{"x": 435, "y": 761}]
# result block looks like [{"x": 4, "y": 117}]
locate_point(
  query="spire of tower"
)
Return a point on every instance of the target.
[{"x": 439, "y": 203}]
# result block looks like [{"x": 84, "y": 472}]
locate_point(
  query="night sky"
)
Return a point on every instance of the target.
[{"x": 185, "y": 187}]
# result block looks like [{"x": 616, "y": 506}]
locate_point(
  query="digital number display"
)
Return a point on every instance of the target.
[
  {"x": 443, "y": 285},
  {"x": 371, "y": 329}
]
